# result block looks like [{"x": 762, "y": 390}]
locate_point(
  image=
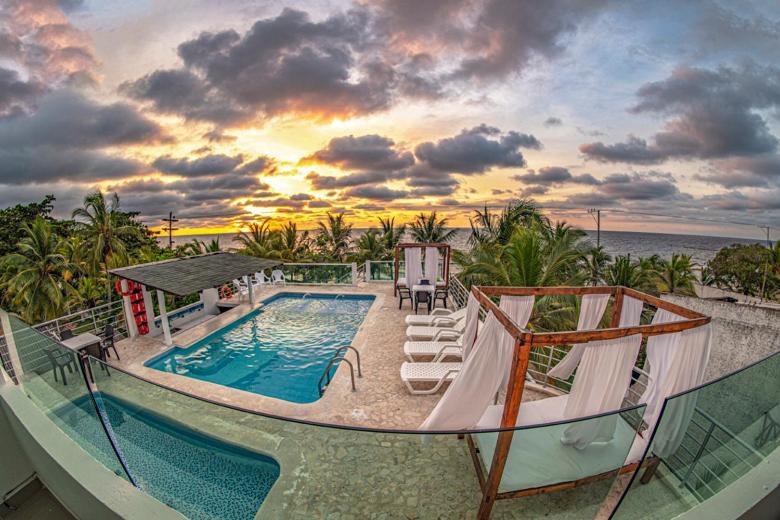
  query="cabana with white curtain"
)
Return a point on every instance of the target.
[
  {"x": 421, "y": 261},
  {"x": 506, "y": 357}
]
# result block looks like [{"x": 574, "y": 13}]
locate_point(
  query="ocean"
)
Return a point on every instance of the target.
[{"x": 700, "y": 248}]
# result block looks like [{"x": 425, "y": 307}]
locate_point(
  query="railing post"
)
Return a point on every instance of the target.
[
  {"x": 354, "y": 273},
  {"x": 10, "y": 343},
  {"x": 368, "y": 270}
]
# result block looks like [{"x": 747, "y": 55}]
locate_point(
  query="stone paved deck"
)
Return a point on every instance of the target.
[{"x": 381, "y": 399}]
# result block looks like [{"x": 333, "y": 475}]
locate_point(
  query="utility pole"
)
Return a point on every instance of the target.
[
  {"x": 169, "y": 228},
  {"x": 597, "y": 218}
]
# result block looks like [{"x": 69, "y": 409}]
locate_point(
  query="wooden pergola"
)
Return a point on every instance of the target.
[
  {"x": 405, "y": 245},
  {"x": 525, "y": 340}
]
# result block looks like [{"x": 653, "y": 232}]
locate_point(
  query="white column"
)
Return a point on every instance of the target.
[
  {"x": 164, "y": 318},
  {"x": 132, "y": 328},
  {"x": 354, "y": 273},
  {"x": 251, "y": 288},
  {"x": 149, "y": 306}
]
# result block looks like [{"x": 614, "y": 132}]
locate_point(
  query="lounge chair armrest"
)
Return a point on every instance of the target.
[
  {"x": 447, "y": 349},
  {"x": 445, "y": 331},
  {"x": 439, "y": 311},
  {"x": 442, "y": 319}
]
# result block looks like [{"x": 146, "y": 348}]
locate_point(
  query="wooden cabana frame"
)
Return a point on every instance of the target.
[
  {"x": 525, "y": 340},
  {"x": 405, "y": 245}
]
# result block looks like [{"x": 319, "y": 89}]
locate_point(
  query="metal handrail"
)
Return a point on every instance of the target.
[
  {"x": 338, "y": 357},
  {"x": 327, "y": 373},
  {"x": 353, "y": 349}
]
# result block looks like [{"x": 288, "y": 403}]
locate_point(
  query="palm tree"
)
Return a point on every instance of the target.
[
  {"x": 293, "y": 245},
  {"x": 528, "y": 259},
  {"x": 260, "y": 240},
  {"x": 198, "y": 247},
  {"x": 487, "y": 226},
  {"x": 596, "y": 262},
  {"x": 334, "y": 237},
  {"x": 104, "y": 232},
  {"x": 632, "y": 274},
  {"x": 34, "y": 277},
  {"x": 87, "y": 293},
  {"x": 370, "y": 246},
  {"x": 676, "y": 275},
  {"x": 391, "y": 234},
  {"x": 429, "y": 228}
]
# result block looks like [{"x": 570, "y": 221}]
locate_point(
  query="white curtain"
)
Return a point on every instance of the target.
[
  {"x": 472, "y": 323},
  {"x": 592, "y": 309},
  {"x": 412, "y": 257},
  {"x": 676, "y": 365},
  {"x": 600, "y": 385},
  {"x": 473, "y": 390},
  {"x": 519, "y": 308},
  {"x": 631, "y": 312},
  {"x": 431, "y": 263}
]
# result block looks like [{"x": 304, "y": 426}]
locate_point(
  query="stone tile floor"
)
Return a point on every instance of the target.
[{"x": 381, "y": 399}]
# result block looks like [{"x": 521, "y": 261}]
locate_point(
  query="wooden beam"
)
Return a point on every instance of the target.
[
  {"x": 571, "y": 337},
  {"x": 617, "y": 308},
  {"x": 663, "y": 304},
  {"x": 545, "y": 291},
  {"x": 628, "y": 468},
  {"x": 508, "y": 323}
]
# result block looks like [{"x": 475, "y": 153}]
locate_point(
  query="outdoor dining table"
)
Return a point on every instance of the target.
[
  {"x": 82, "y": 342},
  {"x": 85, "y": 344}
]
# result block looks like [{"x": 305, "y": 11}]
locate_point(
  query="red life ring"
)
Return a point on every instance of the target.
[
  {"x": 226, "y": 292},
  {"x": 130, "y": 287}
]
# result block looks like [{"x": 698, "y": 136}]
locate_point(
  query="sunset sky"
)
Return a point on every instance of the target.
[{"x": 222, "y": 111}]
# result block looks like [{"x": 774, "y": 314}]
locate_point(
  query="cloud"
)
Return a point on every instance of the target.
[
  {"x": 487, "y": 40},
  {"x": 553, "y": 121},
  {"x": 327, "y": 182},
  {"x": 209, "y": 165},
  {"x": 283, "y": 65},
  {"x": 40, "y": 40},
  {"x": 66, "y": 137},
  {"x": 476, "y": 150},
  {"x": 16, "y": 95},
  {"x": 375, "y": 193},
  {"x": 366, "y": 152},
  {"x": 714, "y": 114},
  {"x": 550, "y": 175}
]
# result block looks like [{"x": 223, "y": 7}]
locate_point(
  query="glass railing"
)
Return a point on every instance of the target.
[
  {"x": 211, "y": 460},
  {"x": 382, "y": 270},
  {"x": 317, "y": 274},
  {"x": 53, "y": 378},
  {"x": 706, "y": 440},
  {"x": 244, "y": 461}
]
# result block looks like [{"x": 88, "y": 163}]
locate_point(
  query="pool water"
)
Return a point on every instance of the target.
[
  {"x": 200, "y": 476},
  {"x": 279, "y": 350}
]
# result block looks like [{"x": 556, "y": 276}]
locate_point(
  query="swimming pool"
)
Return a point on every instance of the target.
[
  {"x": 200, "y": 476},
  {"x": 279, "y": 350}
]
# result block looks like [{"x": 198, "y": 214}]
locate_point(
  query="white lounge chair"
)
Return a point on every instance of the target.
[
  {"x": 418, "y": 333},
  {"x": 437, "y": 318},
  {"x": 436, "y": 373},
  {"x": 277, "y": 276},
  {"x": 438, "y": 349}
]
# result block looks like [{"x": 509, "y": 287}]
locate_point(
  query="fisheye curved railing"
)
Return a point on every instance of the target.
[{"x": 373, "y": 471}]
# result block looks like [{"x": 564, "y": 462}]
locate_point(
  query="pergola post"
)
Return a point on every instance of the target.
[
  {"x": 132, "y": 328},
  {"x": 164, "y": 318},
  {"x": 395, "y": 270},
  {"x": 514, "y": 395}
]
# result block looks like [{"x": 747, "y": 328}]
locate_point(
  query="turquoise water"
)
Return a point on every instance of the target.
[
  {"x": 279, "y": 350},
  {"x": 200, "y": 476}
]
